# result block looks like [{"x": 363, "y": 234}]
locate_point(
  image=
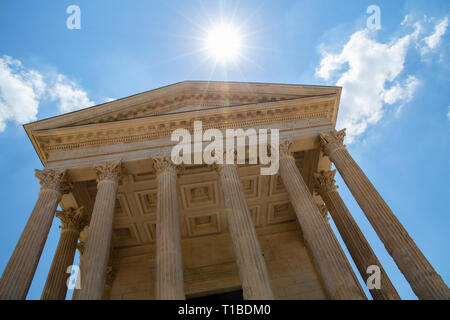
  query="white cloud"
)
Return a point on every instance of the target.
[
  {"x": 405, "y": 20},
  {"x": 110, "y": 99},
  {"x": 400, "y": 92},
  {"x": 434, "y": 40},
  {"x": 69, "y": 96},
  {"x": 20, "y": 91},
  {"x": 370, "y": 72},
  {"x": 448, "y": 114},
  {"x": 372, "y": 66}
]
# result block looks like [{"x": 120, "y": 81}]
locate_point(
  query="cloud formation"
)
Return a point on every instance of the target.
[
  {"x": 69, "y": 96},
  {"x": 22, "y": 90},
  {"x": 434, "y": 40},
  {"x": 370, "y": 73}
]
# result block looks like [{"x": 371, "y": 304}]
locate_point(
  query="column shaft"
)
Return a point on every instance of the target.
[
  {"x": 56, "y": 285},
  {"x": 356, "y": 243},
  {"x": 19, "y": 271},
  {"x": 169, "y": 262},
  {"x": 337, "y": 275},
  {"x": 80, "y": 247},
  {"x": 424, "y": 280},
  {"x": 249, "y": 258},
  {"x": 96, "y": 253}
]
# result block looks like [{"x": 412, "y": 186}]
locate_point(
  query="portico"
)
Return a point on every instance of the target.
[{"x": 157, "y": 230}]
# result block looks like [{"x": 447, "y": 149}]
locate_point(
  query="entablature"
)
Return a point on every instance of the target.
[{"x": 84, "y": 137}]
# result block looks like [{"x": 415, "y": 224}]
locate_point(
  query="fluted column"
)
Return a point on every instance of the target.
[
  {"x": 80, "y": 246},
  {"x": 249, "y": 258},
  {"x": 19, "y": 271},
  {"x": 96, "y": 253},
  {"x": 424, "y": 280},
  {"x": 169, "y": 261},
  {"x": 337, "y": 275},
  {"x": 72, "y": 222},
  {"x": 356, "y": 243}
]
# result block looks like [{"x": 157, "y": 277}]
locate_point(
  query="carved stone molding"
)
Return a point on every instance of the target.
[
  {"x": 153, "y": 129},
  {"x": 332, "y": 141},
  {"x": 324, "y": 181},
  {"x": 109, "y": 171},
  {"x": 198, "y": 100},
  {"x": 72, "y": 219},
  {"x": 57, "y": 180}
]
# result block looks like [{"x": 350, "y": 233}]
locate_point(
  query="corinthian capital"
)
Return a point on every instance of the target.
[
  {"x": 164, "y": 164},
  {"x": 324, "y": 181},
  {"x": 286, "y": 148},
  {"x": 58, "y": 180},
  {"x": 332, "y": 141},
  {"x": 109, "y": 171},
  {"x": 72, "y": 219}
]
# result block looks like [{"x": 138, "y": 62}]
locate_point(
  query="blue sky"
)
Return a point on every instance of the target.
[{"x": 395, "y": 103}]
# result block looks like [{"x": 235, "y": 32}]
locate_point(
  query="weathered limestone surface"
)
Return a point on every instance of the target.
[
  {"x": 424, "y": 280},
  {"x": 210, "y": 266},
  {"x": 73, "y": 221},
  {"x": 169, "y": 261},
  {"x": 96, "y": 253},
  {"x": 337, "y": 275},
  {"x": 19, "y": 271},
  {"x": 249, "y": 258},
  {"x": 356, "y": 243}
]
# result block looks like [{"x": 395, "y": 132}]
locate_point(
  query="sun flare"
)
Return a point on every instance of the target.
[{"x": 223, "y": 43}]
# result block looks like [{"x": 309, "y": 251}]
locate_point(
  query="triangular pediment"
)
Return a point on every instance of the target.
[
  {"x": 183, "y": 97},
  {"x": 156, "y": 113}
]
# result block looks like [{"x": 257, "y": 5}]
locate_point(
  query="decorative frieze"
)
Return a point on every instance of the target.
[{"x": 153, "y": 129}]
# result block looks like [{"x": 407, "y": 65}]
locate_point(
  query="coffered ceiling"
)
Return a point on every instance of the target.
[{"x": 201, "y": 206}]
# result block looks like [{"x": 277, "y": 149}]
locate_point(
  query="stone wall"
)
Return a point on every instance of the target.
[{"x": 209, "y": 267}]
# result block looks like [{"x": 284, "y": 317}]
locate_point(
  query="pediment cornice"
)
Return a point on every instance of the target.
[
  {"x": 180, "y": 97},
  {"x": 161, "y": 126}
]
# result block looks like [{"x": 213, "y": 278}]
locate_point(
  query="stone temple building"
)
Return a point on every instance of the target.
[{"x": 146, "y": 228}]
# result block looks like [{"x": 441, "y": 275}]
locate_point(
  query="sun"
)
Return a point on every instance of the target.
[{"x": 223, "y": 43}]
